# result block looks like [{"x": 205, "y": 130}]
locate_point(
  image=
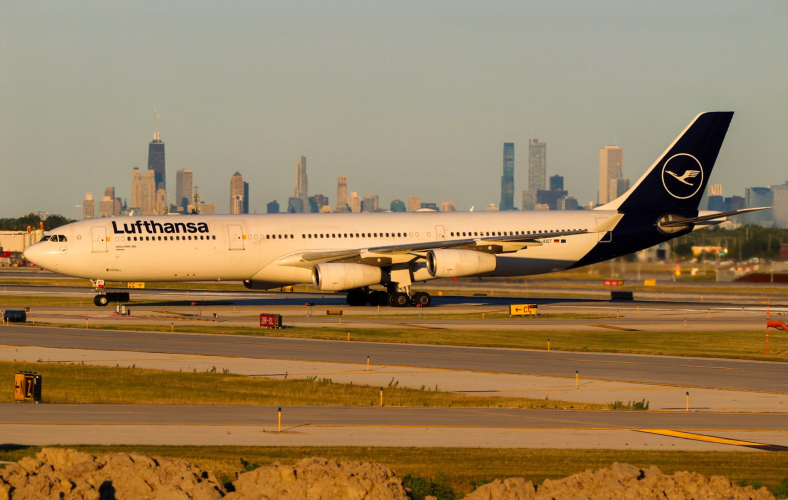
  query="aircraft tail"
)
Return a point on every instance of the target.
[{"x": 676, "y": 181}]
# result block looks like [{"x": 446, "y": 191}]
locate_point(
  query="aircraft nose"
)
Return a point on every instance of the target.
[{"x": 33, "y": 254}]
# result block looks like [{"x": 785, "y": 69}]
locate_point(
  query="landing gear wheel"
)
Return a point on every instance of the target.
[
  {"x": 422, "y": 299},
  {"x": 378, "y": 298},
  {"x": 100, "y": 300},
  {"x": 399, "y": 299},
  {"x": 357, "y": 298}
]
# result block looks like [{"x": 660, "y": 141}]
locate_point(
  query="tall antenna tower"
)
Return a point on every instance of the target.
[
  {"x": 196, "y": 200},
  {"x": 156, "y": 126}
]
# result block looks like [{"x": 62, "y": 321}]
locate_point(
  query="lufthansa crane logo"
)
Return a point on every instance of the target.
[{"x": 682, "y": 176}]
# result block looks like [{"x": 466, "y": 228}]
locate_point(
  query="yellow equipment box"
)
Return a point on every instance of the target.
[
  {"x": 135, "y": 284},
  {"x": 27, "y": 385},
  {"x": 650, "y": 282},
  {"x": 523, "y": 310}
]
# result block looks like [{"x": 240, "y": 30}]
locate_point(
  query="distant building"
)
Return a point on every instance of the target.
[
  {"x": 556, "y": 183},
  {"x": 295, "y": 205},
  {"x": 491, "y": 208},
  {"x": 272, "y": 207},
  {"x": 542, "y": 206},
  {"x": 342, "y": 194},
  {"x": 568, "y": 203},
  {"x": 355, "y": 202},
  {"x": 183, "y": 189},
  {"x": 161, "y": 201},
  {"x": 734, "y": 203},
  {"x": 88, "y": 207},
  {"x": 549, "y": 198},
  {"x": 537, "y": 165},
  {"x": 507, "y": 179},
  {"x": 398, "y": 206},
  {"x": 106, "y": 207},
  {"x": 414, "y": 203},
  {"x": 156, "y": 157},
  {"x": 715, "y": 190},
  {"x": 429, "y": 206},
  {"x": 448, "y": 206},
  {"x": 206, "y": 208},
  {"x": 529, "y": 200},
  {"x": 317, "y": 202},
  {"x": 143, "y": 192},
  {"x": 246, "y": 198},
  {"x": 611, "y": 166},
  {"x": 780, "y": 203},
  {"x": 758, "y": 197},
  {"x": 118, "y": 206},
  {"x": 618, "y": 187},
  {"x": 301, "y": 189},
  {"x": 716, "y": 203},
  {"x": 369, "y": 203},
  {"x": 237, "y": 189}
]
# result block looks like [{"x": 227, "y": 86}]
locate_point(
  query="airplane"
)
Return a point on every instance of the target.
[{"x": 353, "y": 252}]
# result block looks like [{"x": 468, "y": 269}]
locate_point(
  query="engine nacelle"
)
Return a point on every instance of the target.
[
  {"x": 457, "y": 263},
  {"x": 336, "y": 276}
]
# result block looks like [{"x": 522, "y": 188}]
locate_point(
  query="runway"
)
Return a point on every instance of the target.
[{"x": 663, "y": 370}]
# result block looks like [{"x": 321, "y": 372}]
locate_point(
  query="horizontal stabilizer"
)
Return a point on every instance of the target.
[{"x": 714, "y": 216}]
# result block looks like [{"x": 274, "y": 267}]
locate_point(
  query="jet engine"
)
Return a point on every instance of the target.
[
  {"x": 457, "y": 263},
  {"x": 334, "y": 276}
]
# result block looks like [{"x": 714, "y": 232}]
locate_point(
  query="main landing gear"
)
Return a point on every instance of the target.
[
  {"x": 362, "y": 297},
  {"x": 103, "y": 298}
]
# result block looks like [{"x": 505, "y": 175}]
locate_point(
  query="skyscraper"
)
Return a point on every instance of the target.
[
  {"x": 370, "y": 203},
  {"x": 414, "y": 203},
  {"x": 611, "y": 166},
  {"x": 715, "y": 190},
  {"x": 302, "y": 184},
  {"x": 183, "y": 189},
  {"x": 317, "y": 202},
  {"x": 246, "y": 197},
  {"x": 161, "y": 202},
  {"x": 342, "y": 194},
  {"x": 237, "y": 194},
  {"x": 272, "y": 207},
  {"x": 507, "y": 179},
  {"x": 537, "y": 165},
  {"x": 106, "y": 207},
  {"x": 355, "y": 202},
  {"x": 109, "y": 194},
  {"x": 556, "y": 183},
  {"x": 156, "y": 155},
  {"x": 397, "y": 206},
  {"x": 88, "y": 207},
  {"x": 448, "y": 206},
  {"x": 143, "y": 192}
]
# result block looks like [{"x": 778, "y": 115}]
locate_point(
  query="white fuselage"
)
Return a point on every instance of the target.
[{"x": 257, "y": 247}]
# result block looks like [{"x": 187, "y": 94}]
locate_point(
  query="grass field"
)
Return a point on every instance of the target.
[
  {"x": 464, "y": 468},
  {"x": 707, "y": 344},
  {"x": 67, "y": 383}
]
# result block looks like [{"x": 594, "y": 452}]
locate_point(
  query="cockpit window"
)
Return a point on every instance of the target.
[
  {"x": 60, "y": 237},
  {"x": 45, "y": 238}
]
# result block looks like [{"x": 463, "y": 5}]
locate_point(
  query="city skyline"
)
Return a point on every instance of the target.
[{"x": 420, "y": 102}]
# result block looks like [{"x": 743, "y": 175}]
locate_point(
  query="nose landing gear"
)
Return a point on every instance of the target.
[{"x": 103, "y": 297}]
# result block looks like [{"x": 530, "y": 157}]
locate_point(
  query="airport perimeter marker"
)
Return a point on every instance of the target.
[
  {"x": 381, "y": 397},
  {"x": 687, "y": 400},
  {"x": 280, "y": 419},
  {"x": 577, "y": 379}
]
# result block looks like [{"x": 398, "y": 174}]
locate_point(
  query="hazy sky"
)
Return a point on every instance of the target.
[{"x": 405, "y": 98}]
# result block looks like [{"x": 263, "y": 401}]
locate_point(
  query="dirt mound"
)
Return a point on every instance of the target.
[
  {"x": 620, "y": 481},
  {"x": 59, "y": 473},
  {"x": 319, "y": 479}
]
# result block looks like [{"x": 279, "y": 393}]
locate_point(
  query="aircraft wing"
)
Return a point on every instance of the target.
[{"x": 385, "y": 255}]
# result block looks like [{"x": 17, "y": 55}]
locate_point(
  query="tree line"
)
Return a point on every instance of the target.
[
  {"x": 32, "y": 220},
  {"x": 743, "y": 243}
]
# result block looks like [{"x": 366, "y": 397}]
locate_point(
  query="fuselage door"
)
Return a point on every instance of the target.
[
  {"x": 99, "y": 238},
  {"x": 440, "y": 232},
  {"x": 236, "y": 237}
]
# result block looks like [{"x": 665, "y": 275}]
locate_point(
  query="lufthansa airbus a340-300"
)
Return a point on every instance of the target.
[{"x": 390, "y": 251}]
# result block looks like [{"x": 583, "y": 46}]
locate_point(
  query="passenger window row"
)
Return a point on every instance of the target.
[
  {"x": 165, "y": 238},
  {"x": 507, "y": 233},
  {"x": 361, "y": 235}
]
